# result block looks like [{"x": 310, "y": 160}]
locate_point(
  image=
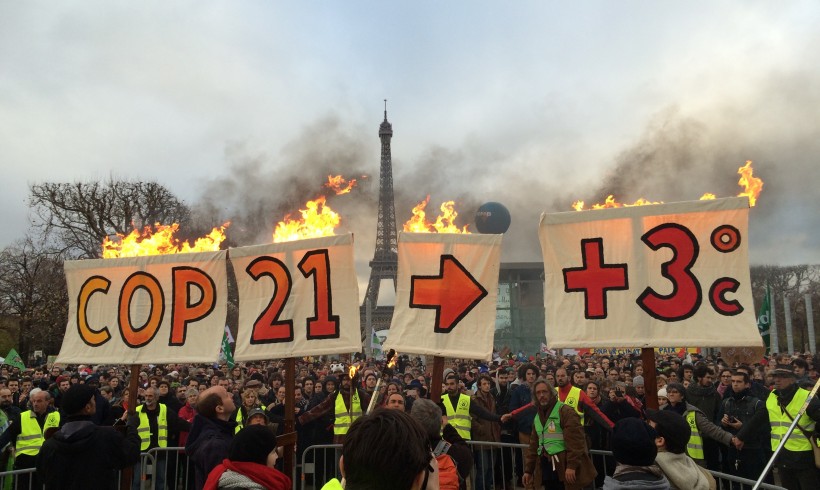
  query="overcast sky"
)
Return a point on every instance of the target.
[{"x": 533, "y": 104}]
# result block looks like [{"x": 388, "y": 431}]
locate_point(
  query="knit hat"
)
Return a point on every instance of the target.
[
  {"x": 662, "y": 393},
  {"x": 672, "y": 427},
  {"x": 257, "y": 411},
  {"x": 252, "y": 444},
  {"x": 633, "y": 442},
  {"x": 76, "y": 398},
  {"x": 637, "y": 381}
]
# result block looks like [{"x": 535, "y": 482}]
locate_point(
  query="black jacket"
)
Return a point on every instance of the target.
[
  {"x": 83, "y": 455},
  {"x": 208, "y": 444}
]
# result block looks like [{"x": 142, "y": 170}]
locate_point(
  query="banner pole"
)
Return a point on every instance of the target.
[
  {"x": 650, "y": 382},
  {"x": 133, "y": 384},
  {"x": 436, "y": 381},
  {"x": 290, "y": 413},
  {"x": 786, "y": 437}
]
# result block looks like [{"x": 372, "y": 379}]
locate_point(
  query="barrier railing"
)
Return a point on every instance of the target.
[{"x": 497, "y": 466}]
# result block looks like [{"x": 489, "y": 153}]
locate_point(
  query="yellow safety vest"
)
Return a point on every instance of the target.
[
  {"x": 343, "y": 417},
  {"x": 574, "y": 401},
  {"x": 781, "y": 422},
  {"x": 144, "y": 429},
  {"x": 459, "y": 417},
  {"x": 551, "y": 435},
  {"x": 239, "y": 422},
  {"x": 695, "y": 445},
  {"x": 31, "y": 437}
]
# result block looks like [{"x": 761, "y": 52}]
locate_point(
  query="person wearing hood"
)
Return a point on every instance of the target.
[
  {"x": 744, "y": 415},
  {"x": 212, "y": 431},
  {"x": 702, "y": 393},
  {"x": 250, "y": 463},
  {"x": 701, "y": 426},
  {"x": 339, "y": 403},
  {"x": 672, "y": 434},
  {"x": 82, "y": 454},
  {"x": 634, "y": 450}
]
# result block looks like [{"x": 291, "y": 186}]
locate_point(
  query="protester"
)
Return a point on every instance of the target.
[
  {"x": 557, "y": 456},
  {"x": 212, "y": 431},
  {"x": 634, "y": 450},
  {"x": 250, "y": 463},
  {"x": 386, "y": 449},
  {"x": 83, "y": 455},
  {"x": 673, "y": 433}
]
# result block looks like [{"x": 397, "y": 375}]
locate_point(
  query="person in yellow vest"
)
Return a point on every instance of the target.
[
  {"x": 699, "y": 423},
  {"x": 250, "y": 401},
  {"x": 156, "y": 421},
  {"x": 459, "y": 411},
  {"x": 795, "y": 462},
  {"x": 578, "y": 400},
  {"x": 347, "y": 406},
  {"x": 558, "y": 448},
  {"x": 27, "y": 432}
]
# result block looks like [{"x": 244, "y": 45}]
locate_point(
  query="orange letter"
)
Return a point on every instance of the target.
[
  {"x": 143, "y": 335},
  {"x": 92, "y": 285},
  {"x": 182, "y": 311}
]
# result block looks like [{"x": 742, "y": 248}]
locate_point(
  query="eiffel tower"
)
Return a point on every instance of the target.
[{"x": 385, "y": 260}]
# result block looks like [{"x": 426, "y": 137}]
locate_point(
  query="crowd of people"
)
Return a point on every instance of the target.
[{"x": 713, "y": 415}]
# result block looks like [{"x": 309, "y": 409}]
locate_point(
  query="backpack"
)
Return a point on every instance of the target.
[{"x": 448, "y": 476}]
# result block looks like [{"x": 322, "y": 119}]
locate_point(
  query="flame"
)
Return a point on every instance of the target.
[
  {"x": 352, "y": 370},
  {"x": 445, "y": 222},
  {"x": 392, "y": 358},
  {"x": 339, "y": 185},
  {"x": 752, "y": 186},
  {"x": 317, "y": 220},
  {"x": 160, "y": 242}
]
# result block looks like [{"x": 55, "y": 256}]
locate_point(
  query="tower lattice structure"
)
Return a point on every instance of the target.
[{"x": 385, "y": 259}]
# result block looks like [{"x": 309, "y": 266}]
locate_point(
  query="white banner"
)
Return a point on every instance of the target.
[
  {"x": 649, "y": 276},
  {"x": 141, "y": 310},
  {"x": 298, "y": 298},
  {"x": 446, "y": 295}
]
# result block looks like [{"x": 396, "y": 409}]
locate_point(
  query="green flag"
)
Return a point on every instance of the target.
[
  {"x": 764, "y": 319},
  {"x": 14, "y": 359},
  {"x": 226, "y": 353}
]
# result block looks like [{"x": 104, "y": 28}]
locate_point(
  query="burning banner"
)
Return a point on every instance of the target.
[
  {"x": 446, "y": 294},
  {"x": 649, "y": 276},
  {"x": 298, "y": 298},
  {"x": 150, "y": 309}
]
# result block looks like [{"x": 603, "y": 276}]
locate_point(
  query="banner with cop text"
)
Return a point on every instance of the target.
[
  {"x": 142, "y": 310},
  {"x": 446, "y": 295},
  {"x": 649, "y": 276},
  {"x": 298, "y": 298}
]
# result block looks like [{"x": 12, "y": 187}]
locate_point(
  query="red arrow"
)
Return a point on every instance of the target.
[{"x": 453, "y": 293}]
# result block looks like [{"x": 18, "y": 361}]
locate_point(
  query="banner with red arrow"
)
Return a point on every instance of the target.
[{"x": 446, "y": 295}]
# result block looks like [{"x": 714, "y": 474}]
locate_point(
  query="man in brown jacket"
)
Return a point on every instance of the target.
[{"x": 558, "y": 453}]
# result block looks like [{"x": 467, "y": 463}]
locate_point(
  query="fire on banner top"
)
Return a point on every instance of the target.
[{"x": 649, "y": 276}]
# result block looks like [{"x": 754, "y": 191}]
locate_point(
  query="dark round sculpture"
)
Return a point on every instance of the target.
[{"x": 492, "y": 218}]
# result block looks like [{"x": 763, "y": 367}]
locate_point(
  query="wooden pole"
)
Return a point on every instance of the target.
[
  {"x": 290, "y": 413},
  {"x": 650, "y": 381},
  {"x": 436, "y": 381},
  {"x": 133, "y": 386}
]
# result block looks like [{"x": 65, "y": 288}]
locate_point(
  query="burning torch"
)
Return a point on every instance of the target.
[{"x": 392, "y": 357}]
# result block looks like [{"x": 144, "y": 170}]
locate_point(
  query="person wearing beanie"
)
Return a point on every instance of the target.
[
  {"x": 672, "y": 436},
  {"x": 702, "y": 426},
  {"x": 250, "y": 462},
  {"x": 634, "y": 450},
  {"x": 82, "y": 454},
  {"x": 662, "y": 400},
  {"x": 346, "y": 404},
  {"x": 638, "y": 383}
]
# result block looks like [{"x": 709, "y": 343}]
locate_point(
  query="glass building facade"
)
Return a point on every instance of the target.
[{"x": 519, "y": 322}]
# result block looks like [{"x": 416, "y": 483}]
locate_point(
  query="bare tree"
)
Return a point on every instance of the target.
[
  {"x": 75, "y": 217},
  {"x": 33, "y": 290}
]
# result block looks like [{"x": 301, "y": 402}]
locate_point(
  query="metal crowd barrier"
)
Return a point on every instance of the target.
[{"x": 497, "y": 466}]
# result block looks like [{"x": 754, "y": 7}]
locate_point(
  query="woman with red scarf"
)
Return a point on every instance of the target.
[{"x": 250, "y": 463}]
